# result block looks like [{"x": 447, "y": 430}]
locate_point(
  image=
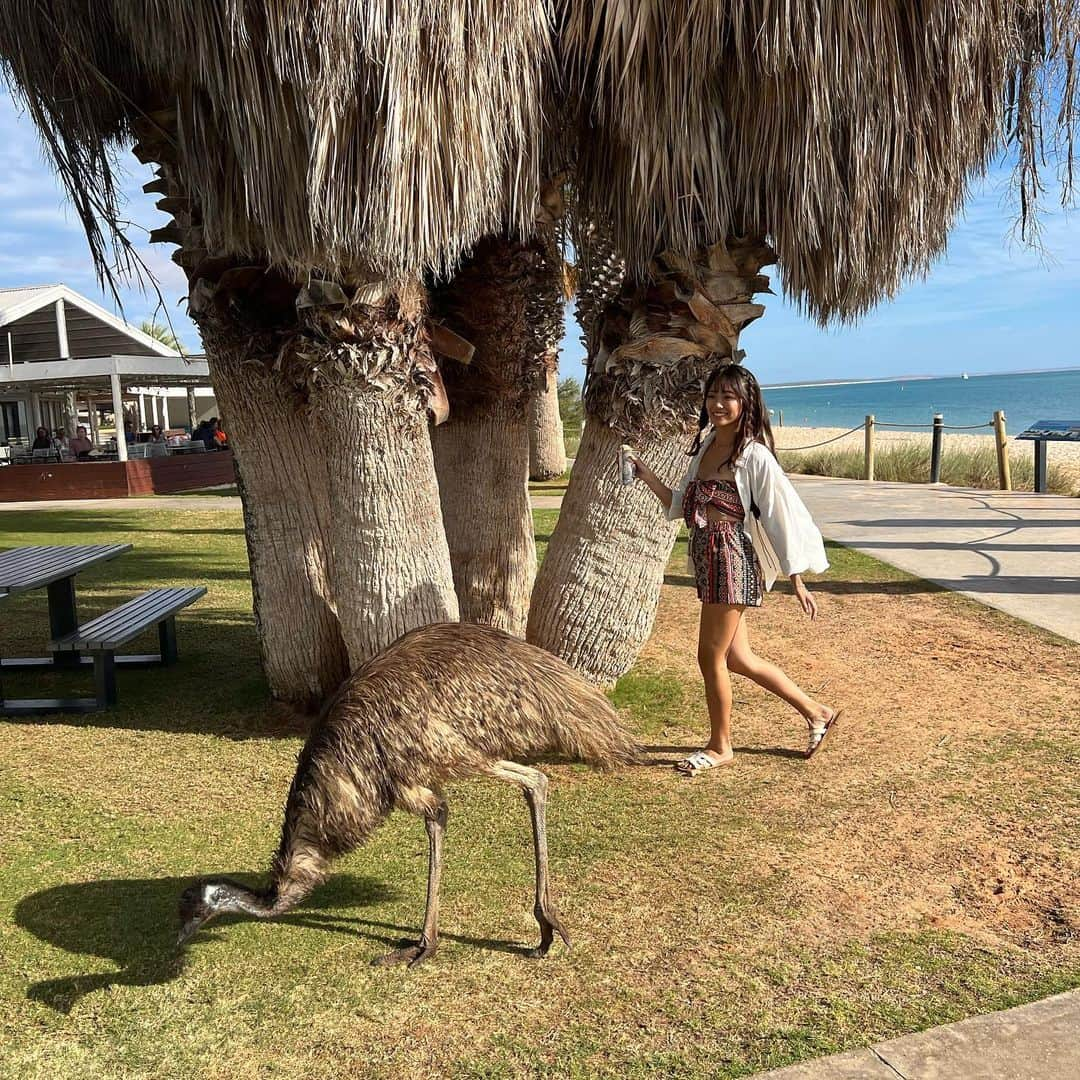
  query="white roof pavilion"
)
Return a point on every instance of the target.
[{"x": 52, "y": 340}]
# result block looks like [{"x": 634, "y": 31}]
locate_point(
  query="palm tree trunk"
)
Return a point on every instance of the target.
[
  {"x": 284, "y": 489},
  {"x": 649, "y": 350},
  {"x": 596, "y": 594},
  {"x": 547, "y": 446},
  {"x": 391, "y": 566},
  {"x": 506, "y": 301},
  {"x": 481, "y": 460},
  {"x": 344, "y": 529}
]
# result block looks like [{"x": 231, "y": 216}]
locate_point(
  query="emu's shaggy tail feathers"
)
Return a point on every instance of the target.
[{"x": 585, "y": 727}]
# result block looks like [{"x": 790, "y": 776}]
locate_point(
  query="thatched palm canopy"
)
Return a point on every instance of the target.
[
  {"x": 399, "y": 130},
  {"x": 845, "y": 132},
  {"x": 402, "y": 131}
]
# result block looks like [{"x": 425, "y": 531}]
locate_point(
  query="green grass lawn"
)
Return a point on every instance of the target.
[{"x": 672, "y": 892}]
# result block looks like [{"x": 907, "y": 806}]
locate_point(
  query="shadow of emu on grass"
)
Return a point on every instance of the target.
[{"x": 134, "y": 923}]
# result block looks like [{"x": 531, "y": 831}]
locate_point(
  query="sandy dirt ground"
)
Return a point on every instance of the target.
[{"x": 939, "y": 803}]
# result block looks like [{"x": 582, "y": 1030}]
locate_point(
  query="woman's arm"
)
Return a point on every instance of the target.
[{"x": 784, "y": 517}]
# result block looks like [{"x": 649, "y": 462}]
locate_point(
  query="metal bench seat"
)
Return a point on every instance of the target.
[
  {"x": 102, "y": 636},
  {"x": 119, "y": 626}
]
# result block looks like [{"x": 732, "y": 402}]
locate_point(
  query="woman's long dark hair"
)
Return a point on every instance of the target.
[{"x": 754, "y": 423}]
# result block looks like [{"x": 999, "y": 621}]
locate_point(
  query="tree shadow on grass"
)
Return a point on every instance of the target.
[
  {"x": 117, "y": 523},
  {"x": 134, "y": 923},
  {"x": 216, "y": 688}
]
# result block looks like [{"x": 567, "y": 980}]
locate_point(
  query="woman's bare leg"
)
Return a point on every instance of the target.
[
  {"x": 719, "y": 623},
  {"x": 742, "y": 660}
]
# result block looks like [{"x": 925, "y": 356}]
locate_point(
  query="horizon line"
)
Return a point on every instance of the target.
[{"x": 912, "y": 378}]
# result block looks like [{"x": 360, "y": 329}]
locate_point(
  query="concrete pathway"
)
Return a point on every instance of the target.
[
  {"x": 1015, "y": 551},
  {"x": 149, "y": 502},
  {"x": 1032, "y": 1042}
]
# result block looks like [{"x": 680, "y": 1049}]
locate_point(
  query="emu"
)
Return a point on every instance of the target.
[{"x": 443, "y": 702}]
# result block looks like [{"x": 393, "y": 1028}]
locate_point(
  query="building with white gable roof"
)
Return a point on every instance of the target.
[
  {"x": 66, "y": 362},
  {"x": 62, "y": 357}
]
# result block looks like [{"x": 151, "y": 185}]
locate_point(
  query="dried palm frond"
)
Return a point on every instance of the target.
[
  {"x": 392, "y": 133},
  {"x": 847, "y": 133},
  {"x": 655, "y": 342}
]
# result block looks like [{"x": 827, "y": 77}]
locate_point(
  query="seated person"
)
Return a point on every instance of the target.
[
  {"x": 157, "y": 434},
  {"x": 209, "y": 434},
  {"x": 130, "y": 435},
  {"x": 42, "y": 440},
  {"x": 80, "y": 446},
  {"x": 60, "y": 439}
]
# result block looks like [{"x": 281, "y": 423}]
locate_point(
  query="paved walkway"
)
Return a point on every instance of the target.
[
  {"x": 1014, "y": 551},
  {"x": 150, "y": 502},
  {"x": 1033, "y": 1042}
]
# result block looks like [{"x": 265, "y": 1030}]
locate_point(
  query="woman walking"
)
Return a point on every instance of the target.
[{"x": 747, "y": 525}]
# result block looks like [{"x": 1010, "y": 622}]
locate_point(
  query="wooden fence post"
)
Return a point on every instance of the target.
[
  {"x": 1001, "y": 441},
  {"x": 869, "y": 472}
]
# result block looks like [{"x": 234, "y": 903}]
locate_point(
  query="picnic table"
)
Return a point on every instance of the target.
[{"x": 55, "y": 568}]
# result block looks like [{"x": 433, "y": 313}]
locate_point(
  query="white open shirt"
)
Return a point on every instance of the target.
[{"x": 784, "y": 536}]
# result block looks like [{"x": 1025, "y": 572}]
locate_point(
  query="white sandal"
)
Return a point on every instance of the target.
[
  {"x": 698, "y": 762},
  {"x": 818, "y": 735}
]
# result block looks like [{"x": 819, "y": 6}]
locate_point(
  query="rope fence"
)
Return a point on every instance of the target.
[
  {"x": 937, "y": 428},
  {"x": 824, "y": 442},
  {"x": 944, "y": 427}
]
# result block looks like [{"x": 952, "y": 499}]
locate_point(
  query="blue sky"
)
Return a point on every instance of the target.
[{"x": 988, "y": 305}]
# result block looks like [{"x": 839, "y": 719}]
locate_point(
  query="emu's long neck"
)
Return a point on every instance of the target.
[{"x": 230, "y": 897}]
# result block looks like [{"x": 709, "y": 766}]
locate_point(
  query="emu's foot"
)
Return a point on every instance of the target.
[
  {"x": 550, "y": 925},
  {"x": 411, "y": 953}
]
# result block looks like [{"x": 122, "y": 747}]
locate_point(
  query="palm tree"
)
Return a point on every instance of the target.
[
  {"x": 712, "y": 139},
  {"x": 547, "y": 440},
  {"x": 164, "y": 334},
  {"x": 314, "y": 173}
]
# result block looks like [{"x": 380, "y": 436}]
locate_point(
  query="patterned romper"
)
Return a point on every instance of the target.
[{"x": 726, "y": 568}]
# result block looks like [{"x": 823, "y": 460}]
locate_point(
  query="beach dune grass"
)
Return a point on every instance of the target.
[
  {"x": 909, "y": 463},
  {"x": 920, "y": 871}
]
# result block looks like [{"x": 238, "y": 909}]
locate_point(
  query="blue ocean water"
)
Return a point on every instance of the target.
[{"x": 1026, "y": 398}]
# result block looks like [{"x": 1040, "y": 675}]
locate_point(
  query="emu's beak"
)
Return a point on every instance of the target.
[
  {"x": 193, "y": 923},
  {"x": 188, "y": 931}
]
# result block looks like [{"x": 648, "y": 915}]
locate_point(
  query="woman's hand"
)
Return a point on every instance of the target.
[
  {"x": 804, "y": 596},
  {"x": 652, "y": 481},
  {"x": 642, "y": 471}
]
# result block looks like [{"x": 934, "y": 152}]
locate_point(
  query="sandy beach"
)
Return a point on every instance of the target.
[{"x": 1066, "y": 455}]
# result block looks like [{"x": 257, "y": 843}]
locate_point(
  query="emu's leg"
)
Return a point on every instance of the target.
[
  {"x": 432, "y": 807},
  {"x": 534, "y": 785}
]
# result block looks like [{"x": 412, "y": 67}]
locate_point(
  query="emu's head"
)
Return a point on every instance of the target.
[{"x": 198, "y": 904}]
